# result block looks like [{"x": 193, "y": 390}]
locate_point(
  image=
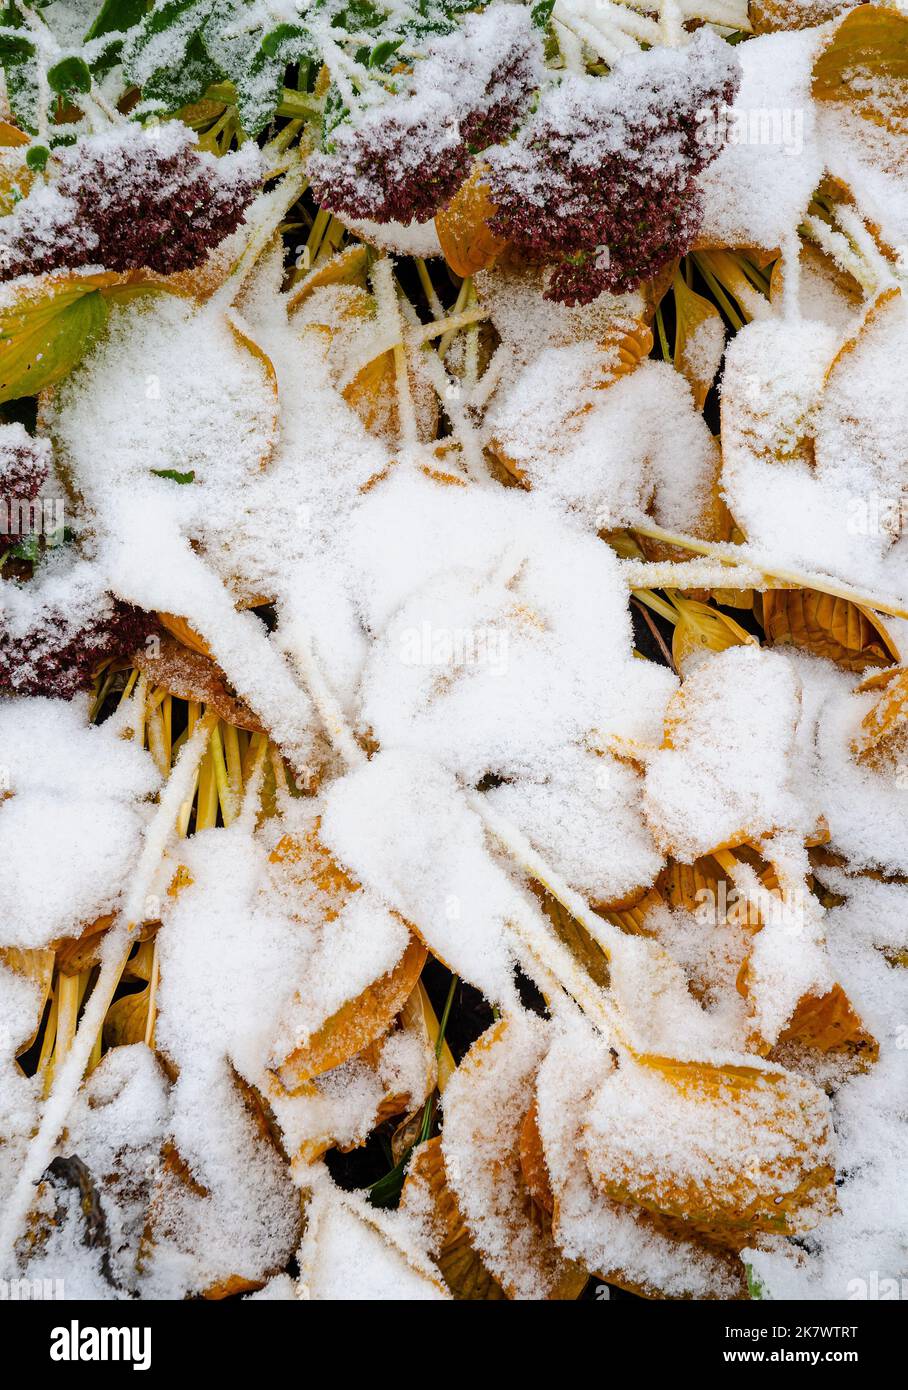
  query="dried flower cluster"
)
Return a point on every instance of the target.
[
  {"x": 406, "y": 157},
  {"x": 24, "y": 467},
  {"x": 150, "y": 200},
  {"x": 602, "y": 180}
]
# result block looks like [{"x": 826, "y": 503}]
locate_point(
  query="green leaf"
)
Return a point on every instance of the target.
[
  {"x": 176, "y": 477},
  {"x": 36, "y": 157},
  {"x": 288, "y": 41},
  {"x": 19, "y": 64},
  {"x": 188, "y": 70},
  {"x": 541, "y": 13},
  {"x": 116, "y": 16},
  {"x": 386, "y": 1191},
  {"x": 70, "y": 75},
  {"x": 28, "y": 549},
  {"x": 15, "y": 47},
  {"x": 335, "y": 113},
  {"x": 755, "y": 1287},
  {"x": 383, "y": 51}
]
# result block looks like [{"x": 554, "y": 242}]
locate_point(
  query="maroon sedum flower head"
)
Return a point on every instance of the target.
[
  {"x": 58, "y": 658},
  {"x": 404, "y": 159},
  {"x": 24, "y": 466},
  {"x": 603, "y": 180},
  {"x": 129, "y": 199}
]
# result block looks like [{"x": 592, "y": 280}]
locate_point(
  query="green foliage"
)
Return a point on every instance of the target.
[
  {"x": 173, "y": 51},
  {"x": 70, "y": 75}
]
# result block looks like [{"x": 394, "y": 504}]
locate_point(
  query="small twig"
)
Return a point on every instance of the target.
[{"x": 657, "y": 635}]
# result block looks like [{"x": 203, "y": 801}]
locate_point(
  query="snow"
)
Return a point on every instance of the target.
[{"x": 447, "y": 648}]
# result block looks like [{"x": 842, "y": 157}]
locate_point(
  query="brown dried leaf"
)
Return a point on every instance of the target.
[
  {"x": 533, "y": 1164},
  {"x": 191, "y": 676},
  {"x": 851, "y": 636}
]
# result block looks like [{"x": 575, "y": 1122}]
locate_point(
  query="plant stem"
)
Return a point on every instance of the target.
[{"x": 778, "y": 577}]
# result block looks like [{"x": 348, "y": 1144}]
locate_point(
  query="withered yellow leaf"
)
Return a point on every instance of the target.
[
  {"x": 348, "y": 267},
  {"x": 865, "y": 65},
  {"x": 467, "y": 242},
  {"x": 769, "y": 16},
  {"x": 829, "y": 1023},
  {"x": 126, "y": 1019},
  {"x": 883, "y": 736},
  {"x": 357, "y": 1023},
  {"x": 745, "y": 1149},
  {"x": 701, "y": 628},
  {"x": 426, "y": 1190},
  {"x": 485, "y": 1106},
  {"x": 835, "y": 628},
  {"x": 699, "y": 339},
  {"x": 184, "y": 633},
  {"x": 37, "y": 966}
]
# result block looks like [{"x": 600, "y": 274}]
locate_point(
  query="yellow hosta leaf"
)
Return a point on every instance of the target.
[
  {"x": 829, "y": 1023},
  {"x": 865, "y": 65},
  {"x": 184, "y": 633},
  {"x": 485, "y": 1107},
  {"x": 466, "y": 240},
  {"x": 576, "y": 938},
  {"x": 690, "y": 886},
  {"x": 625, "y": 343},
  {"x": 700, "y": 629},
  {"x": 126, "y": 1019},
  {"x": 348, "y": 267},
  {"x": 732, "y": 1151},
  {"x": 835, "y": 628},
  {"x": 632, "y": 919},
  {"x": 883, "y": 738},
  {"x": 37, "y": 966},
  {"x": 47, "y": 326},
  {"x": 426, "y": 1190},
  {"x": 699, "y": 339},
  {"x": 45, "y": 332},
  {"x": 15, "y": 178},
  {"x": 10, "y": 135},
  {"x": 769, "y": 16},
  {"x": 357, "y": 1023},
  {"x": 244, "y": 340},
  {"x": 418, "y": 1014}
]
